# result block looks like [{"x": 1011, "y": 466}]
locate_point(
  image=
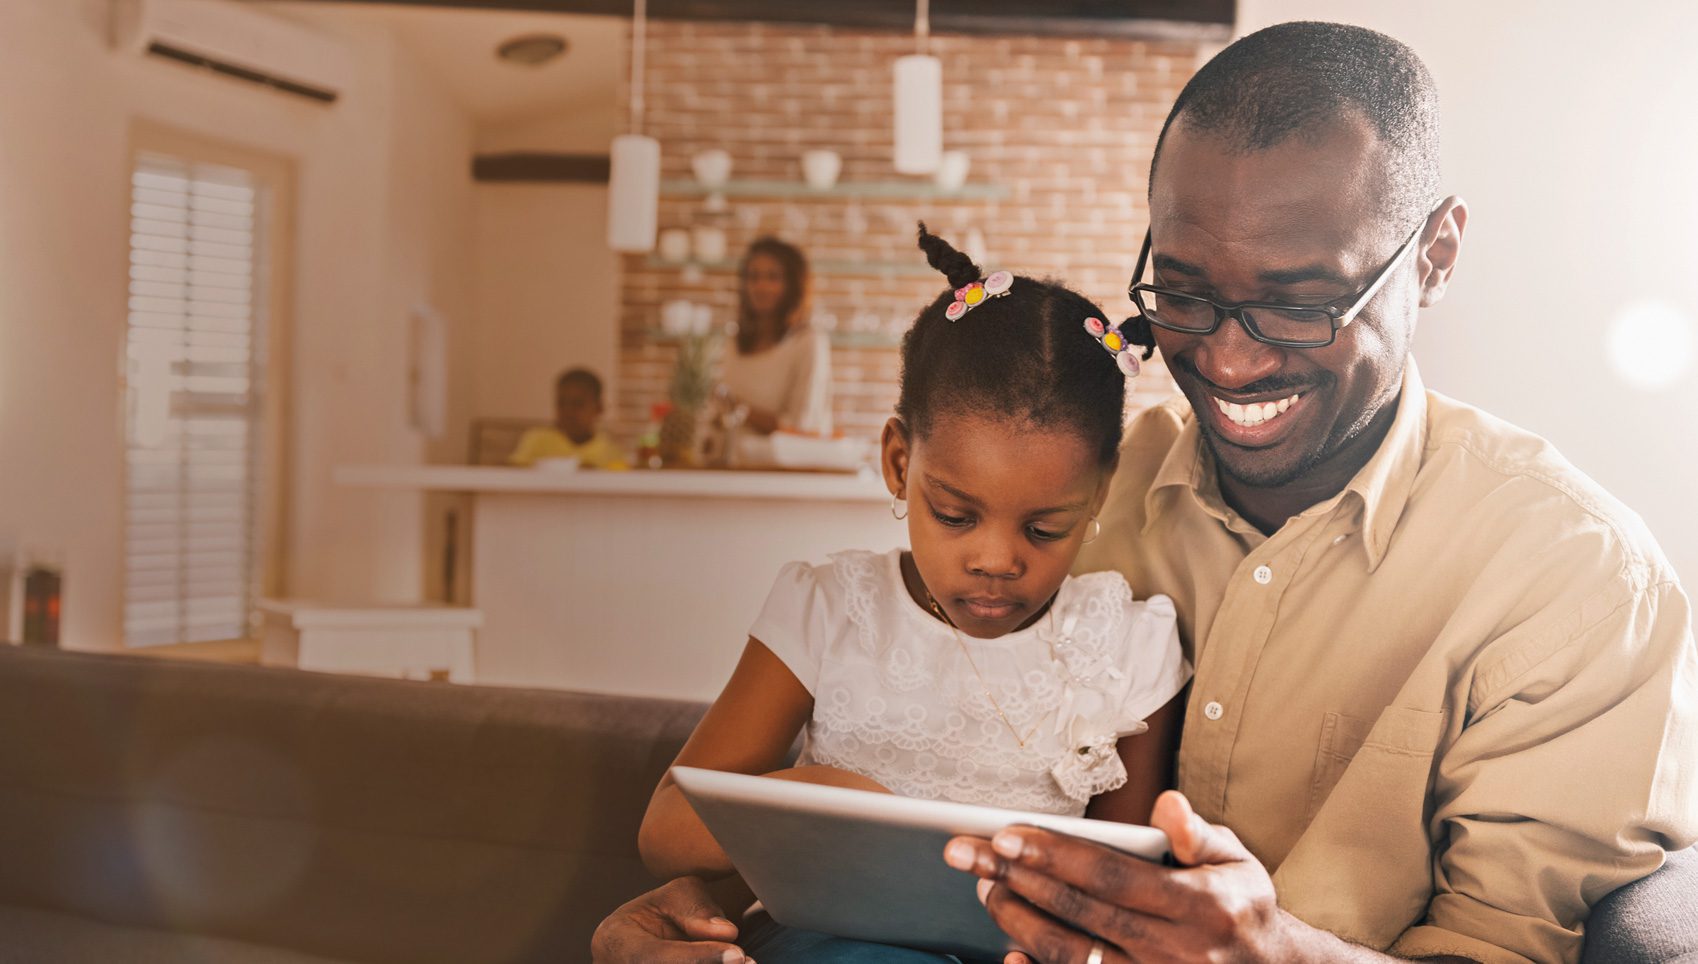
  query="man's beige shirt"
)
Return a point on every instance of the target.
[{"x": 1449, "y": 708}]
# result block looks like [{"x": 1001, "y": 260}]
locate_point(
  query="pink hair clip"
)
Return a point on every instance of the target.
[
  {"x": 1117, "y": 345},
  {"x": 973, "y": 295}
]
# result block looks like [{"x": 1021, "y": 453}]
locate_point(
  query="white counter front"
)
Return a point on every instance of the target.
[{"x": 639, "y": 582}]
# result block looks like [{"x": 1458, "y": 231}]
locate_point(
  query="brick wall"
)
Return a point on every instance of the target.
[{"x": 1063, "y": 128}]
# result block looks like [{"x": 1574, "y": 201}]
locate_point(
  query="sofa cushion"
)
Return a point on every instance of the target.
[
  {"x": 45, "y": 937},
  {"x": 367, "y": 819},
  {"x": 1650, "y": 921}
]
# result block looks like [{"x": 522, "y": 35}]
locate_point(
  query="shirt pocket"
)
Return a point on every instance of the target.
[{"x": 1397, "y": 748}]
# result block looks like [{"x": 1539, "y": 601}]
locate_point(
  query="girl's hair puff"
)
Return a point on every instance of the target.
[{"x": 1024, "y": 356}]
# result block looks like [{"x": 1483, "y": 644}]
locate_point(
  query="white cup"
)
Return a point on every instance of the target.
[
  {"x": 820, "y": 168},
  {"x": 952, "y": 170},
  {"x": 675, "y": 244},
  {"x": 710, "y": 243},
  {"x": 712, "y": 167}
]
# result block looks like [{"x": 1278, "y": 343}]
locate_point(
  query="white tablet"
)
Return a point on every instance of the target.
[{"x": 870, "y": 865}]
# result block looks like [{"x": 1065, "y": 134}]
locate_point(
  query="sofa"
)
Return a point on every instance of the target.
[{"x": 165, "y": 811}]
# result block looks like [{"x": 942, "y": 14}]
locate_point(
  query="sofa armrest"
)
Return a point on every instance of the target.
[{"x": 1654, "y": 919}]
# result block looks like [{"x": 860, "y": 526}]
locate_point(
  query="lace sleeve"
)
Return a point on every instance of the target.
[
  {"x": 1158, "y": 666},
  {"x": 1122, "y": 662},
  {"x": 795, "y": 622}
]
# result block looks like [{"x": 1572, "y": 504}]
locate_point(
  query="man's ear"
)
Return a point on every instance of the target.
[
  {"x": 894, "y": 451},
  {"x": 1441, "y": 248}
]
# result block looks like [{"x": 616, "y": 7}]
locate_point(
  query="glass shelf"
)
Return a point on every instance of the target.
[
  {"x": 923, "y": 190},
  {"x": 851, "y": 269},
  {"x": 839, "y": 339}
]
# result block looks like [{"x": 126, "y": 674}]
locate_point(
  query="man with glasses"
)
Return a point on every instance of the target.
[{"x": 1444, "y": 683}]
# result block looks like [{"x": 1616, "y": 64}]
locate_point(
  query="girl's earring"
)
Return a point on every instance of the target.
[
  {"x": 1096, "y": 530},
  {"x": 894, "y": 501}
]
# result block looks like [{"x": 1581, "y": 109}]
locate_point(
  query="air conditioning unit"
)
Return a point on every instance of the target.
[{"x": 237, "y": 40}]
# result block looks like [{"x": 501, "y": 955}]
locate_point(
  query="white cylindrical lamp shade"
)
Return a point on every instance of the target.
[
  {"x": 633, "y": 189},
  {"x": 919, "y": 114}
]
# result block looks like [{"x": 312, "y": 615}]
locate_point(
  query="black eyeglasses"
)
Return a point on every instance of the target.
[{"x": 1287, "y": 326}]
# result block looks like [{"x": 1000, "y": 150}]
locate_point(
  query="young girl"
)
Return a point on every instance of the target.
[{"x": 972, "y": 667}]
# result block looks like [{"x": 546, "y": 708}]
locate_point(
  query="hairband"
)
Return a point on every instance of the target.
[
  {"x": 1117, "y": 345},
  {"x": 973, "y": 295}
]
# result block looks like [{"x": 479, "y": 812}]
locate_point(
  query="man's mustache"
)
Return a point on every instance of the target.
[{"x": 1281, "y": 384}]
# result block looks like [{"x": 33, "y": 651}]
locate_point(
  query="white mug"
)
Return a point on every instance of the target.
[
  {"x": 710, "y": 243},
  {"x": 712, "y": 167},
  {"x": 952, "y": 170},
  {"x": 820, "y": 168},
  {"x": 675, "y": 244}
]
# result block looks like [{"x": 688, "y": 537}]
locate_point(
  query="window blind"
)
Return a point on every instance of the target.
[{"x": 194, "y": 375}]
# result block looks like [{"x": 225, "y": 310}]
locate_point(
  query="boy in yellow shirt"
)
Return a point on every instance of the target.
[{"x": 577, "y": 408}]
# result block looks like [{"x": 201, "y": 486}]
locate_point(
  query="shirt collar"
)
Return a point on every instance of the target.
[
  {"x": 1381, "y": 487},
  {"x": 1384, "y": 484}
]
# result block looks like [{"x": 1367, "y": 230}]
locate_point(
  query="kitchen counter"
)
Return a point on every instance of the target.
[
  {"x": 642, "y": 582},
  {"x": 689, "y": 483}
]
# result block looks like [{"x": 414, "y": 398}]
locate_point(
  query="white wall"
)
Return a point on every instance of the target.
[
  {"x": 1571, "y": 129},
  {"x": 547, "y": 294},
  {"x": 381, "y": 222},
  {"x": 547, "y": 284}
]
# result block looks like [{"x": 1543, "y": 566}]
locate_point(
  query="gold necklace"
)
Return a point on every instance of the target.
[{"x": 938, "y": 611}]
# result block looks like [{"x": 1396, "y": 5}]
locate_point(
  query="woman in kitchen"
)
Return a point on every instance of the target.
[{"x": 778, "y": 374}]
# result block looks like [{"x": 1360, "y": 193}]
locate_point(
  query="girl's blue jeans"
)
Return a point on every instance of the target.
[{"x": 770, "y": 942}]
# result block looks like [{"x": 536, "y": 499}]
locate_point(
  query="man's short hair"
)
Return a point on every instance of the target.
[
  {"x": 579, "y": 376},
  {"x": 1295, "y": 79}
]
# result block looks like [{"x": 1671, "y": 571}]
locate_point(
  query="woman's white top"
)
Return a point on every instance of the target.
[
  {"x": 792, "y": 379},
  {"x": 896, "y": 699}
]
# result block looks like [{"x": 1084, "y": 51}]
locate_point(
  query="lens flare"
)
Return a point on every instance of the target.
[{"x": 1651, "y": 344}]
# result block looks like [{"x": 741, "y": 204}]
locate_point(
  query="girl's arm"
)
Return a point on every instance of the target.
[
  {"x": 749, "y": 729},
  {"x": 1149, "y": 759}
]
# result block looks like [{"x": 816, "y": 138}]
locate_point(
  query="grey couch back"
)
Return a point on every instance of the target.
[{"x": 366, "y": 819}]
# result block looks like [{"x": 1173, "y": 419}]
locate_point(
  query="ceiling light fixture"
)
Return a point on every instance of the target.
[
  {"x": 532, "y": 49},
  {"x": 919, "y": 102},
  {"x": 633, "y": 208}
]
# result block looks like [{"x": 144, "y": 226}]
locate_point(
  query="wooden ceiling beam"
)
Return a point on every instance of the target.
[{"x": 541, "y": 168}]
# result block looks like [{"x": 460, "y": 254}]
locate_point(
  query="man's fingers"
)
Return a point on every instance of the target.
[
  {"x": 627, "y": 943},
  {"x": 1195, "y": 841},
  {"x": 688, "y": 905},
  {"x": 678, "y": 923},
  {"x": 1070, "y": 905},
  {"x": 1100, "y": 872},
  {"x": 709, "y": 929},
  {"x": 1043, "y": 936}
]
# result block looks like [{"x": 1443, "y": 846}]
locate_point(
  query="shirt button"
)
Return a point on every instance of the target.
[
  {"x": 1263, "y": 575},
  {"x": 1213, "y": 710}
]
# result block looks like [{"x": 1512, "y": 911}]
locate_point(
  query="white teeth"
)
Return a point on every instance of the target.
[{"x": 1257, "y": 413}]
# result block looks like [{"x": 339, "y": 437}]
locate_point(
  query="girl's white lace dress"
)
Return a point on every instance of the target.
[{"x": 896, "y": 700}]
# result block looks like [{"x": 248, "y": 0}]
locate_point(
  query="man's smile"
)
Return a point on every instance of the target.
[{"x": 1255, "y": 413}]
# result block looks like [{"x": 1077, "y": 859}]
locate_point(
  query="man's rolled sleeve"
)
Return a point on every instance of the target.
[{"x": 1572, "y": 777}]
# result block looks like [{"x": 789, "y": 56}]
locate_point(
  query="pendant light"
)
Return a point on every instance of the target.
[
  {"x": 919, "y": 102},
  {"x": 633, "y": 208}
]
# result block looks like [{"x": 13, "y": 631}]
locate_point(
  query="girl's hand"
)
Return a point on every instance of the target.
[{"x": 828, "y": 777}]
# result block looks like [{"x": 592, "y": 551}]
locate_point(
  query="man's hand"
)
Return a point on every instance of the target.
[
  {"x": 678, "y": 923},
  {"x": 1219, "y": 905}
]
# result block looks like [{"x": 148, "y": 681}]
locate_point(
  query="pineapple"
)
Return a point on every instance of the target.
[{"x": 692, "y": 381}]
